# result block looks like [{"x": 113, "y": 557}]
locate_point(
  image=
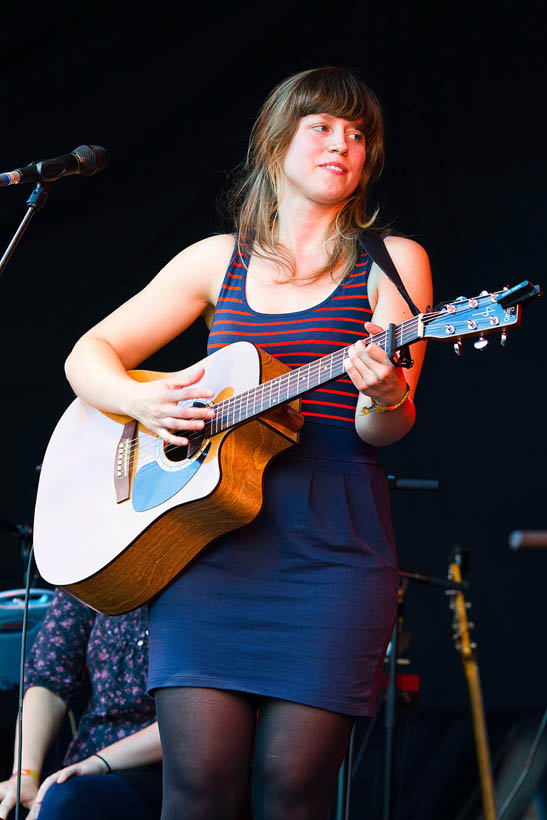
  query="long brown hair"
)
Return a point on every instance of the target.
[{"x": 254, "y": 199}]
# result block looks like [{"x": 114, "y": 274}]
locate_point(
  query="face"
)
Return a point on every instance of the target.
[{"x": 325, "y": 159}]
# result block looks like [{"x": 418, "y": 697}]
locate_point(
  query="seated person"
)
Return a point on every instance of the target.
[{"x": 117, "y": 733}]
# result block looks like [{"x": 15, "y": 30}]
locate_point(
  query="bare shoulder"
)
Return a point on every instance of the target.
[
  {"x": 406, "y": 253},
  {"x": 202, "y": 265}
]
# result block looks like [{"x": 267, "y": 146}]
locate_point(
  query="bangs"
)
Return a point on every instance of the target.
[{"x": 337, "y": 92}]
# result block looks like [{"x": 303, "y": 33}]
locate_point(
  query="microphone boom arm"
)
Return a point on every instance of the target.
[{"x": 35, "y": 202}]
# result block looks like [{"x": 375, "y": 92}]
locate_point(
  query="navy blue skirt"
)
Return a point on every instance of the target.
[{"x": 299, "y": 604}]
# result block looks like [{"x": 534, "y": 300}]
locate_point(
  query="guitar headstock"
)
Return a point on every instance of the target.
[
  {"x": 460, "y": 625},
  {"x": 484, "y": 314}
]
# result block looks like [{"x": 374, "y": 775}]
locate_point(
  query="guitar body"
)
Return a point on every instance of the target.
[{"x": 115, "y": 555}]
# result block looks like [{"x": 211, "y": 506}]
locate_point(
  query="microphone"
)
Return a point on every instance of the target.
[
  {"x": 85, "y": 160},
  {"x": 528, "y": 539}
]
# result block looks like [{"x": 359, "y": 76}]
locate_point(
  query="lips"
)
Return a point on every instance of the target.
[{"x": 334, "y": 167}]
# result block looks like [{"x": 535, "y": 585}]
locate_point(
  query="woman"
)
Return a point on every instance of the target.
[
  {"x": 117, "y": 732},
  {"x": 291, "y": 614}
]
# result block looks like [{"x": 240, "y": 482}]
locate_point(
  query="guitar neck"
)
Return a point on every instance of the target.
[
  {"x": 295, "y": 383},
  {"x": 471, "y": 670}
]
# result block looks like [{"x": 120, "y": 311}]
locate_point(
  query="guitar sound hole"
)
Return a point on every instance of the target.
[
  {"x": 185, "y": 451},
  {"x": 174, "y": 453}
]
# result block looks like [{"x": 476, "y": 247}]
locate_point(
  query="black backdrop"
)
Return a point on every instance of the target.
[{"x": 172, "y": 97}]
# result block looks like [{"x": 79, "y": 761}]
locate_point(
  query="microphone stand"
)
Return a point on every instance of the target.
[{"x": 35, "y": 202}]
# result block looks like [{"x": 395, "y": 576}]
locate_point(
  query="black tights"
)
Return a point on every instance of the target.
[{"x": 208, "y": 735}]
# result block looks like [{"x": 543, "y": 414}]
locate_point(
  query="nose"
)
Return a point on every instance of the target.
[{"x": 338, "y": 143}]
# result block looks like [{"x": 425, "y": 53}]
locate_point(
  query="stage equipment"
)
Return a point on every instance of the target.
[
  {"x": 528, "y": 539},
  {"x": 12, "y": 603},
  {"x": 349, "y": 767},
  {"x": 85, "y": 160},
  {"x": 526, "y": 785},
  {"x": 455, "y": 586},
  {"x": 459, "y": 570}
]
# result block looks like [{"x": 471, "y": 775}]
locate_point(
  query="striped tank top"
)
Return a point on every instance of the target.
[{"x": 300, "y": 337}]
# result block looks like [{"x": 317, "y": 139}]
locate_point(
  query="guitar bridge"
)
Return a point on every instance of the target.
[{"x": 123, "y": 462}]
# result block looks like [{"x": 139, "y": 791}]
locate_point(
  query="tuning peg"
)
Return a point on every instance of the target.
[
  {"x": 458, "y": 348},
  {"x": 503, "y": 339},
  {"x": 481, "y": 343}
]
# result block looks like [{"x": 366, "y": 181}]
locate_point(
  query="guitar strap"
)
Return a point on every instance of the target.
[{"x": 375, "y": 246}]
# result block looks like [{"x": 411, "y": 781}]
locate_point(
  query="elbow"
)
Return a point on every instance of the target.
[
  {"x": 70, "y": 365},
  {"x": 392, "y": 437}
]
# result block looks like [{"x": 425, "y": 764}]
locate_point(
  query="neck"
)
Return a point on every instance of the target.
[{"x": 305, "y": 227}]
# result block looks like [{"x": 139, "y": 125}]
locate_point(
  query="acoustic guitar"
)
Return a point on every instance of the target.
[{"x": 119, "y": 514}]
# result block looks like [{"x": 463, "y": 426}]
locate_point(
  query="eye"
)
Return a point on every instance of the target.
[
  {"x": 357, "y": 136},
  {"x": 320, "y": 126}
]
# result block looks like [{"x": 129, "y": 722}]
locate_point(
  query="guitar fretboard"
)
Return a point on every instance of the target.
[{"x": 294, "y": 383}]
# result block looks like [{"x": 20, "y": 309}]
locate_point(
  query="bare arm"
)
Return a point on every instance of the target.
[
  {"x": 43, "y": 712},
  {"x": 182, "y": 291},
  {"x": 370, "y": 368}
]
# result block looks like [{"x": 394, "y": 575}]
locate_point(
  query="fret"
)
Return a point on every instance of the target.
[{"x": 290, "y": 385}]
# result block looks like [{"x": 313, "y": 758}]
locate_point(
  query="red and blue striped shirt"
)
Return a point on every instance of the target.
[{"x": 300, "y": 337}]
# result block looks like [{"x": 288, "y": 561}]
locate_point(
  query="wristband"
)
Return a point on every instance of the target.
[
  {"x": 106, "y": 763},
  {"x": 30, "y": 772},
  {"x": 380, "y": 408}
]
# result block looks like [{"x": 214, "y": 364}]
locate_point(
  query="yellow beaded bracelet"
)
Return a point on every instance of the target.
[
  {"x": 380, "y": 408},
  {"x": 31, "y": 772}
]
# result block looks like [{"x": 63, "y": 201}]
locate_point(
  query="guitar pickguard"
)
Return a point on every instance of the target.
[{"x": 159, "y": 480}]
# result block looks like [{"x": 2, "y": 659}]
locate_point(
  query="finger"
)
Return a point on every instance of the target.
[
  {"x": 177, "y": 393},
  {"x": 184, "y": 425},
  {"x": 377, "y": 354},
  {"x": 188, "y": 411},
  {"x": 65, "y": 774},
  {"x": 179, "y": 439},
  {"x": 186, "y": 377},
  {"x": 6, "y": 806},
  {"x": 371, "y": 328},
  {"x": 367, "y": 364},
  {"x": 362, "y": 376}
]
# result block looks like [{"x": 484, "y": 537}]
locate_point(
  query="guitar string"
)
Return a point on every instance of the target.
[
  {"x": 233, "y": 406},
  {"x": 280, "y": 385}
]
